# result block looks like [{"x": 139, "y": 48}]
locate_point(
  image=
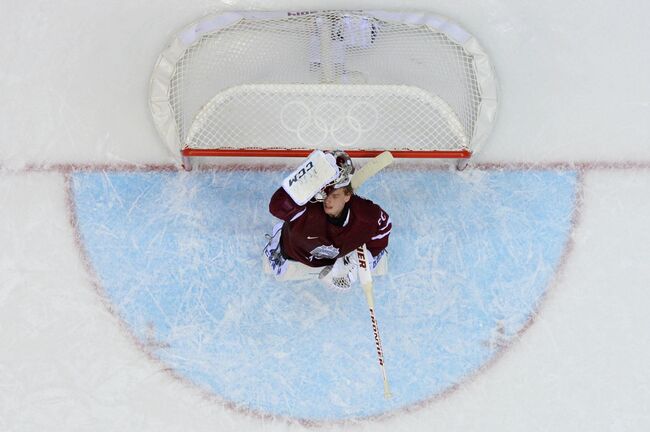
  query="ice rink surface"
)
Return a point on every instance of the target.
[{"x": 572, "y": 144}]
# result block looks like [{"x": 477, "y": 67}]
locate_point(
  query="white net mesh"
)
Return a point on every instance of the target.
[
  {"x": 326, "y": 117},
  {"x": 323, "y": 80}
]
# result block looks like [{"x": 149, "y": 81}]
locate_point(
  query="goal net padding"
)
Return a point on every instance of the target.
[{"x": 283, "y": 84}]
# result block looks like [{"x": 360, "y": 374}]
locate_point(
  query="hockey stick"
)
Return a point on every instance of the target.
[
  {"x": 375, "y": 165},
  {"x": 365, "y": 278}
]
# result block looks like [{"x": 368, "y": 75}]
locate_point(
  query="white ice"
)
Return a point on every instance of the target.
[{"x": 573, "y": 89}]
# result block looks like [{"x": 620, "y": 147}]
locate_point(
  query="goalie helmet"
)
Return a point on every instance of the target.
[{"x": 346, "y": 169}]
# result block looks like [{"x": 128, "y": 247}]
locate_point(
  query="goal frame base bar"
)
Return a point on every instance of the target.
[
  {"x": 412, "y": 154},
  {"x": 462, "y": 156}
]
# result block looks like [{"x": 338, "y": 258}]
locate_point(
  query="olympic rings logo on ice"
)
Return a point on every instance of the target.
[{"x": 343, "y": 125}]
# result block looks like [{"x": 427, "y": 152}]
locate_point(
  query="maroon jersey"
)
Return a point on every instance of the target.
[{"x": 315, "y": 239}]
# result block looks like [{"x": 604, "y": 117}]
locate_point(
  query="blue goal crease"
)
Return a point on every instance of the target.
[{"x": 471, "y": 255}]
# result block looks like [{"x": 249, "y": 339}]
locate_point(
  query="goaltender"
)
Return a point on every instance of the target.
[{"x": 323, "y": 223}]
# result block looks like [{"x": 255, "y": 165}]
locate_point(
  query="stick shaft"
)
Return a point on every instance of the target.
[
  {"x": 371, "y": 168},
  {"x": 365, "y": 278},
  {"x": 380, "y": 354}
]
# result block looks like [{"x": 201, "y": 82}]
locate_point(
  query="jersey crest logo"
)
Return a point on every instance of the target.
[{"x": 325, "y": 252}]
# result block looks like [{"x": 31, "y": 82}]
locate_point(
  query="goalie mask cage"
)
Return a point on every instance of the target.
[{"x": 284, "y": 83}]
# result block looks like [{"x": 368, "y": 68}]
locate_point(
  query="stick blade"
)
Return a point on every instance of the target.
[{"x": 387, "y": 392}]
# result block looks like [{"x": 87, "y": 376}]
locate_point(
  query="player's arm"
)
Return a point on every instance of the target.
[
  {"x": 379, "y": 239},
  {"x": 283, "y": 207},
  {"x": 342, "y": 274}
]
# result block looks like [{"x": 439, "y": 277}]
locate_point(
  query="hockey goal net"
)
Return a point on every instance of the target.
[{"x": 283, "y": 84}]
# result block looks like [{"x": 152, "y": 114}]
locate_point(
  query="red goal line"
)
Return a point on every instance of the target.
[{"x": 414, "y": 154}]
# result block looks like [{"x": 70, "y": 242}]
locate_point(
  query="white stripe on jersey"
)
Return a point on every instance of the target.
[
  {"x": 298, "y": 215},
  {"x": 377, "y": 237}
]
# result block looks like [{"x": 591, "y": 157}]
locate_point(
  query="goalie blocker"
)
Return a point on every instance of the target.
[{"x": 324, "y": 221}]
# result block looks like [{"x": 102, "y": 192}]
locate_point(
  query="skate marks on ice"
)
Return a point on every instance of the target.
[{"x": 178, "y": 257}]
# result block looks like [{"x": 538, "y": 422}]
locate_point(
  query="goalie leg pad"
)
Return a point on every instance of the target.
[
  {"x": 296, "y": 271},
  {"x": 277, "y": 264},
  {"x": 379, "y": 264}
]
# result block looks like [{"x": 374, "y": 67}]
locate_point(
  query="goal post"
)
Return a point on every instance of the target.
[{"x": 282, "y": 84}]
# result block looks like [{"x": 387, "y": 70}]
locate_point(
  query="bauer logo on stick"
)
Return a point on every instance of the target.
[{"x": 362, "y": 258}]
